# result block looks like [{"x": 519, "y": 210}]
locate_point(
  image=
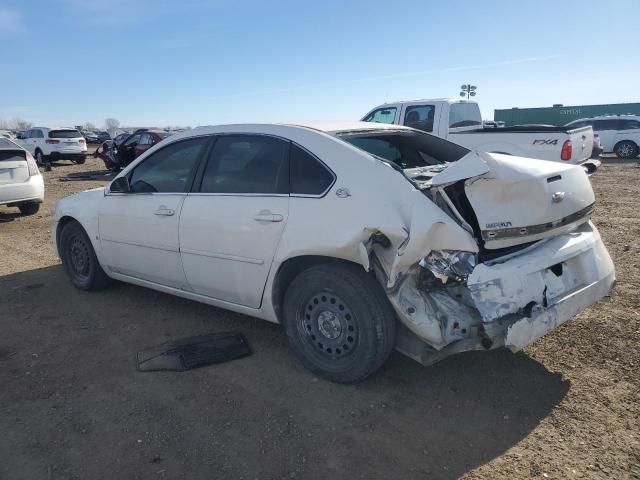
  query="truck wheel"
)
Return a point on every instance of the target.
[
  {"x": 79, "y": 259},
  {"x": 30, "y": 208},
  {"x": 626, "y": 149},
  {"x": 339, "y": 322}
]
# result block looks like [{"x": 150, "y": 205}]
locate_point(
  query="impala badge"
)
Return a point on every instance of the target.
[{"x": 557, "y": 197}]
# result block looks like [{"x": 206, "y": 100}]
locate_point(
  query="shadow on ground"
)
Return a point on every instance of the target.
[{"x": 73, "y": 405}]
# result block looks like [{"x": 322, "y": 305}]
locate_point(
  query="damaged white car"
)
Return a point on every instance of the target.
[{"x": 358, "y": 238}]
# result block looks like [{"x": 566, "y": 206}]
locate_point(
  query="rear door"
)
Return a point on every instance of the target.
[
  {"x": 231, "y": 224},
  {"x": 607, "y": 130}
]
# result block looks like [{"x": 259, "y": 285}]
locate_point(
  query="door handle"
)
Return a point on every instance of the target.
[
  {"x": 164, "y": 211},
  {"x": 267, "y": 216}
]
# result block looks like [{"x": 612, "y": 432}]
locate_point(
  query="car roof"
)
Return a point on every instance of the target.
[{"x": 326, "y": 127}]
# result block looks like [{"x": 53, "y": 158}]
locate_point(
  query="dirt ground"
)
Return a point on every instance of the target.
[{"x": 73, "y": 406}]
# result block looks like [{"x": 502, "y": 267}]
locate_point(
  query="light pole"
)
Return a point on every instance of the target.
[{"x": 468, "y": 90}]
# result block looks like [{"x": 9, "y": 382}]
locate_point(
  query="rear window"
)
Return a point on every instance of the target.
[
  {"x": 64, "y": 134},
  {"x": 464, "y": 115},
  {"x": 406, "y": 149},
  {"x": 11, "y": 155},
  {"x": 4, "y": 143},
  {"x": 382, "y": 115}
]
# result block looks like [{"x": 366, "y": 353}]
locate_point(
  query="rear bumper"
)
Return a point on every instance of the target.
[
  {"x": 30, "y": 191},
  {"x": 525, "y": 297}
]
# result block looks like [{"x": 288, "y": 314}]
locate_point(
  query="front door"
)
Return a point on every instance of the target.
[
  {"x": 230, "y": 227},
  {"x": 139, "y": 228}
]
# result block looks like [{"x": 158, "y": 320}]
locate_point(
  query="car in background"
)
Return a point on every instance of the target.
[
  {"x": 21, "y": 184},
  {"x": 103, "y": 136},
  {"x": 619, "y": 134},
  {"x": 357, "y": 237},
  {"x": 137, "y": 143},
  {"x": 121, "y": 137},
  {"x": 90, "y": 137},
  {"x": 51, "y": 144}
]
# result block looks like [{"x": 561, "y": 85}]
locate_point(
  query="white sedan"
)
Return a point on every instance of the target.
[
  {"x": 21, "y": 184},
  {"x": 358, "y": 238}
]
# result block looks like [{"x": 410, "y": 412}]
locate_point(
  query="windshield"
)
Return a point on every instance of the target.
[
  {"x": 64, "y": 134},
  {"x": 464, "y": 115},
  {"x": 408, "y": 149}
]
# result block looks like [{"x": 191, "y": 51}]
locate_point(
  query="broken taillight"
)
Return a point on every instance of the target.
[{"x": 567, "y": 150}]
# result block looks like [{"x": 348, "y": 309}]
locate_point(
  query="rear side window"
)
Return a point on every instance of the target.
[
  {"x": 170, "y": 169},
  {"x": 382, "y": 115},
  {"x": 308, "y": 175},
  {"x": 247, "y": 164},
  {"x": 64, "y": 134},
  {"x": 629, "y": 124},
  {"x": 420, "y": 117},
  {"x": 464, "y": 115},
  {"x": 600, "y": 125}
]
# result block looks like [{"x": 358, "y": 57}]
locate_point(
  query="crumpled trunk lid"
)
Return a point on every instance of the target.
[{"x": 516, "y": 200}]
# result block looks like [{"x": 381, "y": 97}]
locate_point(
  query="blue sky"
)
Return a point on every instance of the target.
[{"x": 196, "y": 62}]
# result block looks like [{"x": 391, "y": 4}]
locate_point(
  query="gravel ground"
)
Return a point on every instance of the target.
[{"x": 73, "y": 406}]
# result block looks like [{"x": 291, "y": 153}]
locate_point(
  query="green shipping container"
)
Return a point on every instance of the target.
[{"x": 560, "y": 115}]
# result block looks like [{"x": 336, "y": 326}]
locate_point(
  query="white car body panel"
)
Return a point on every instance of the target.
[{"x": 213, "y": 250}]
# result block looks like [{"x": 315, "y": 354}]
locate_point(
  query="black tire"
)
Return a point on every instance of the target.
[
  {"x": 339, "y": 322},
  {"x": 79, "y": 259},
  {"x": 40, "y": 158},
  {"x": 29, "y": 208},
  {"x": 79, "y": 160},
  {"x": 626, "y": 149}
]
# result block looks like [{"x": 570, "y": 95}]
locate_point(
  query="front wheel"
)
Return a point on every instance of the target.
[
  {"x": 79, "y": 259},
  {"x": 626, "y": 150},
  {"x": 339, "y": 322}
]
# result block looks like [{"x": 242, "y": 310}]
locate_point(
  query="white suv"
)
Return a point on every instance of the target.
[
  {"x": 49, "y": 144},
  {"x": 619, "y": 134},
  {"x": 21, "y": 184}
]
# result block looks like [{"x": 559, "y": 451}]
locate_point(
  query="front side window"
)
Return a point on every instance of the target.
[
  {"x": 464, "y": 115},
  {"x": 382, "y": 115},
  {"x": 308, "y": 175},
  {"x": 145, "y": 139},
  {"x": 170, "y": 169},
  {"x": 420, "y": 117},
  {"x": 132, "y": 141},
  {"x": 247, "y": 164}
]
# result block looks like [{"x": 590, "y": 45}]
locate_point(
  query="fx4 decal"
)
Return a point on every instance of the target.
[{"x": 546, "y": 142}]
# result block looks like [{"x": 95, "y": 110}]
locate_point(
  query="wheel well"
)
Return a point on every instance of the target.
[
  {"x": 290, "y": 268},
  {"x": 61, "y": 224}
]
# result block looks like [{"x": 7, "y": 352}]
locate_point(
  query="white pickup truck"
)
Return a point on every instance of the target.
[{"x": 460, "y": 121}]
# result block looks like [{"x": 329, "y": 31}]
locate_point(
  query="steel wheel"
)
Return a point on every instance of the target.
[
  {"x": 327, "y": 324},
  {"x": 80, "y": 257}
]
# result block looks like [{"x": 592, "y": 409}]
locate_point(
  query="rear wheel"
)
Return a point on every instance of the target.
[
  {"x": 626, "y": 149},
  {"x": 339, "y": 322},
  {"x": 30, "y": 208},
  {"x": 39, "y": 157},
  {"x": 79, "y": 259},
  {"x": 79, "y": 160}
]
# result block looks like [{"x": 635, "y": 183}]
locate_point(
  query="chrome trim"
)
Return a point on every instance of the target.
[
  {"x": 254, "y": 261},
  {"x": 502, "y": 233}
]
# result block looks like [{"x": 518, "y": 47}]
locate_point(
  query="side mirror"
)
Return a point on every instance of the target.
[{"x": 120, "y": 185}]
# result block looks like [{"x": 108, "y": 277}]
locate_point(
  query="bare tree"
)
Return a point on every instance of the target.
[
  {"x": 4, "y": 125},
  {"x": 89, "y": 126},
  {"x": 111, "y": 123},
  {"x": 20, "y": 124}
]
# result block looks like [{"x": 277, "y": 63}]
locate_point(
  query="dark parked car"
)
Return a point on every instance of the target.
[
  {"x": 90, "y": 137},
  {"x": 121, "y": 137},
  {"x": 137, "y": 143},
  {"x": 103, "y": 136}
]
